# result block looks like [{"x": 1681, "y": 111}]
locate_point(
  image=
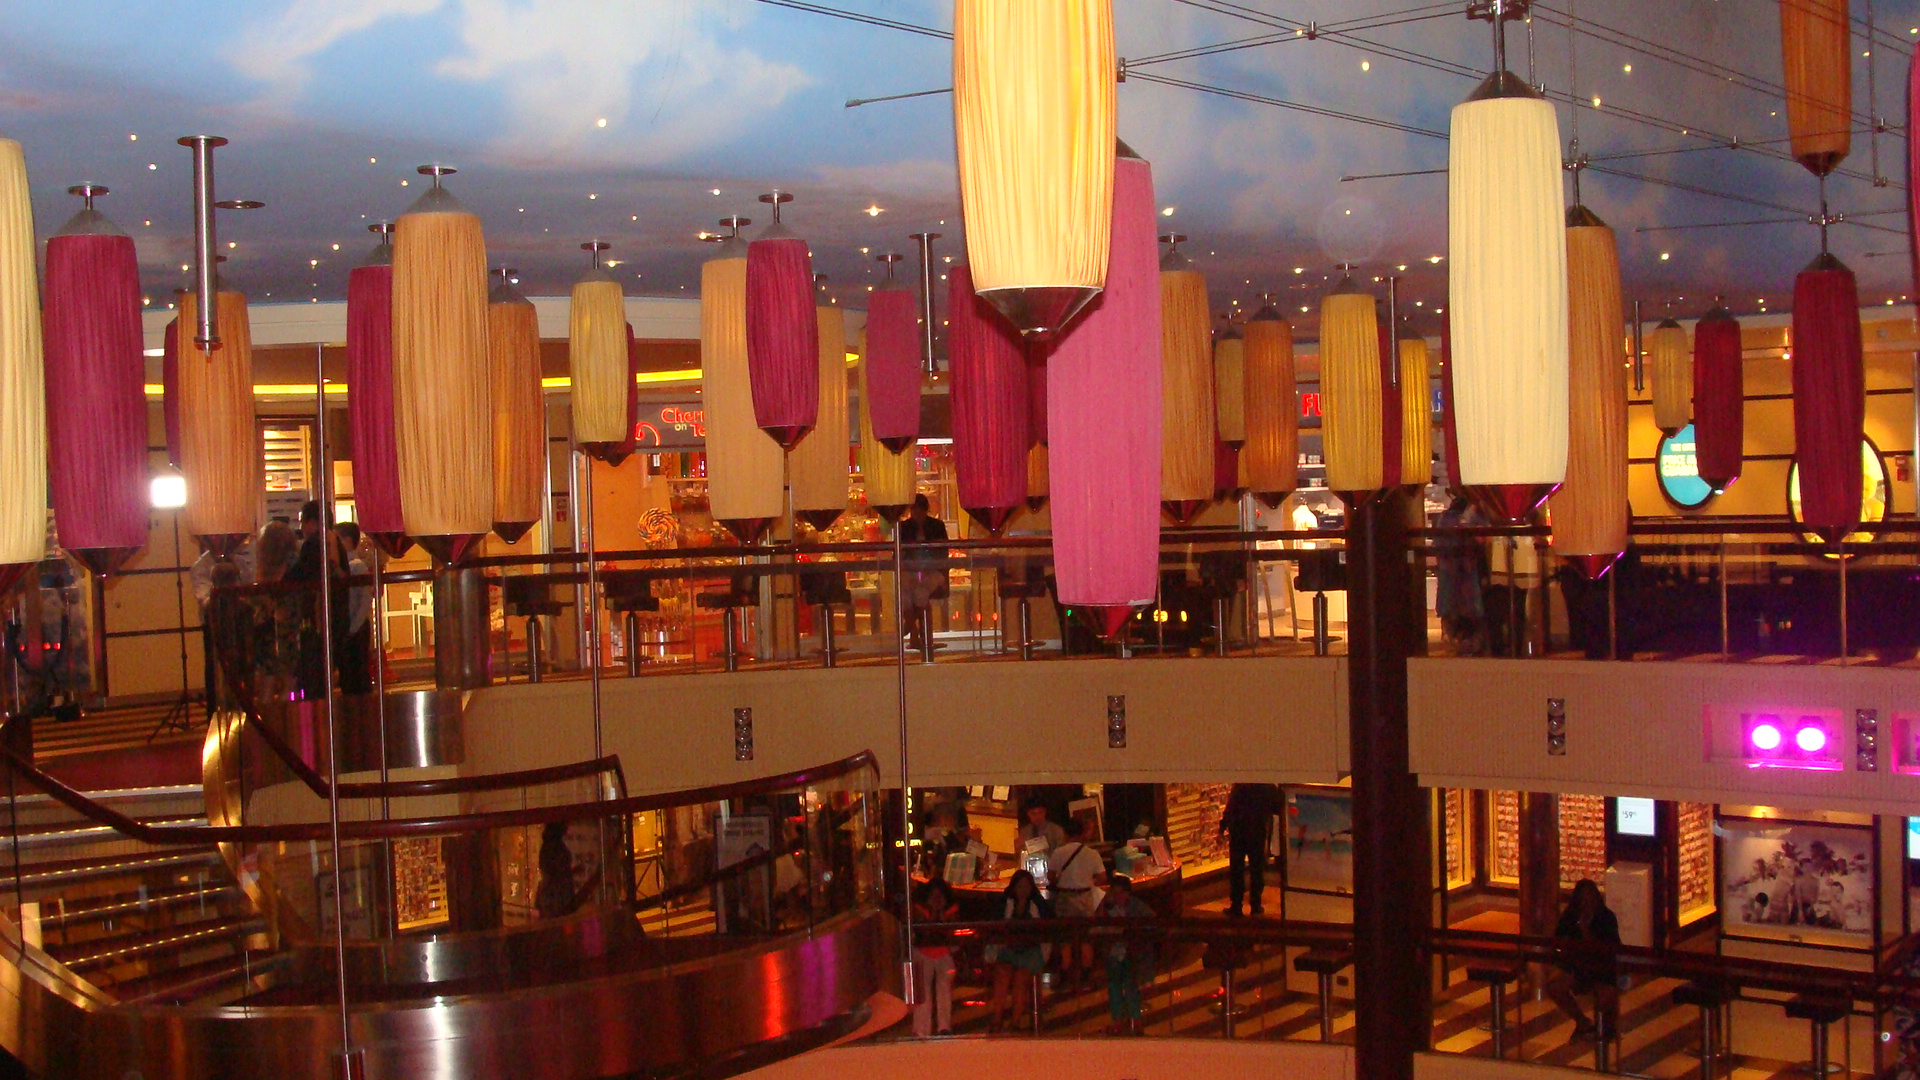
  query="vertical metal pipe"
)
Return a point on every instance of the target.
[
  {"x": 1393, "y": 337},
  {"x": 378, "y": 642},
  {"x": 347, "y": 1056},
  {"x": 1843, "y": 605},
  {"x": 1613, "y": 615},
  {"x": 1726, "y": 652},
  {"x": 906, "y": 782},
  {"x": 925, "y": 240},
  {"x": 1639, "y": 353},
  {"x": 593, "y": 608},
  {"x": 206, "y": 294}
]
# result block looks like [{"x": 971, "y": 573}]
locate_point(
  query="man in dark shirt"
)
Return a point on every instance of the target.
[
  {"x": 923, "y": 585},
  {"x": 1245, "y": 823},
  {"x": 1589, "y": 920}
]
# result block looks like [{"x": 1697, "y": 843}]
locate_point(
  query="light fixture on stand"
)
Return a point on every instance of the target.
[
  {"x": 1186, "y": 387},
  {"x": 1507, "y": 288},
  {"x": 219, "y": 441}
]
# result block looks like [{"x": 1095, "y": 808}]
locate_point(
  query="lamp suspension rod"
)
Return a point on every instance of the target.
[
  {"x": 347, "y": 1055},
  {"x": 925, "y": 240},
  {"x": 1393, "y": 331},
  {"x": 206, "y": 293},
  {"x": 1639, "y": 370}
]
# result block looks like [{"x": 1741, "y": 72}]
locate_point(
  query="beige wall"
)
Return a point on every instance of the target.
[
  {"x": 1072, "y": 1059},
  {"x": 1269, "y": 719},
  {"x": 1669, "y": 730}
]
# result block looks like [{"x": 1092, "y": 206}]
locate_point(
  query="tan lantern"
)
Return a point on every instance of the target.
[
  {"x": 1416, "y": 412},
  {"x": 1816, "y": 56},
  {"x": 1507, "y": 294},
  {"x": 442, "y": 389},
  {"x": 746, "y": 469},
  {"x": 23, "y": 399},
  {"x": 597, "y": 359},
  {"x": 1590, "y": 510},
  {"x": 220, "y": 453},
  {"x": 1033, "y": 108},
  {"x": 1352, "y": 430},
  {"x": 817, "y": 466},
  {"x": 888, "y": 476},
  {"x": 1186, "y": 387},
  {"x": 1037, "y": 477},
  {"x": 519, "y": 410},
  {"x": 1270, "y": 461},
  {"x": 1230, "y": 386},
  {"x": 1670, "y": 362}
]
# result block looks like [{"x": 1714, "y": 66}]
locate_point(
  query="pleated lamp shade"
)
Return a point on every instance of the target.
[
  {"x": 23, "y": 398},
  {"x": 1507, "y": 286},
  {"x": 442, "y": 392},
  {"x": 1186, "y": 390},
  {"x": 1226, "y": 471},
  {"x": 1416, "y": 413},
  {"x": 1590, "y": 510},
  {"x": 1449, "y": 428},
  {"x": 891, "y": 366},
  {"x": 220, "y": 452},
  {"x": 1353, "y": 441},
  {"x": 1230, "y": 387},
  {"x": 519, "y": 411},
  {"x": 1670, "y": 365},
  {"x": 988, "y": 363},
  {"x": 1038, "y": 467},
  {"x": 1719, "y": 399},
  {"x": 624, "y": 449},
  {"x": 1817, "y": 59},
  {"x": 746, "y": 482},
  {"x": 1829, "y": 396},
  {"x": 1033, "y": 108},
  {"x": 370, "y": 409},
  {"x": 1390, "y": 409},
  {"x": 1270, "y": 459},
  {"x": 783, "y": 335},
  {"x": 96, "y": 397},
  {"x": 887, "y": 473},
  {"x": 817, "y": 467},
  {"x": 597, "y": 359},
  {"x": 1104, "y": 424},
  {"x": 170, "y": 389}
]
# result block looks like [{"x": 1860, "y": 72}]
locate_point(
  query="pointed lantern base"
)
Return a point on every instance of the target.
[
  {"x": 1510, "y": 504},
  {"x": 1041, "y": 312}
]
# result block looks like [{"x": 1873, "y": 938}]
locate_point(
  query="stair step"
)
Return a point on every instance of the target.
[
  {"x": 148, "y": 860},
  {"x": 50, "y": 834},
  {"x": 117, "y": 905},
  {"x": 139, "y": 944},
  {"x": 198, "y": 981}
]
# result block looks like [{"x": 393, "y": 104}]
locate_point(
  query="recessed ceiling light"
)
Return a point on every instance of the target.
[
  {"x": 1596, "y": 101},
  {"x": 152, "y": 166},
  {"x": 1366, "y": 65},
  {"x": 232, "y": 244},
  {"x": 602, "y": 122},
  {"x": 1166, "y": 211},
  {"x": 373, "y": 161},
  {"x": 593, "y": 195},
  {"x": 403, "y": 183},
  {"x": 1628, "y": 68},
  {"x": 133, "y": 138},
  {"x": 875, "y": 210},
  {"x": 714, "y": 191},
  {"x": 1435, "y": 259},
  {"x": 1299, "y": 269},
  {"x": 1403, "y": 268},
  {"x": 1665, "y": 255},
  {"x": 336, "y": 247}
]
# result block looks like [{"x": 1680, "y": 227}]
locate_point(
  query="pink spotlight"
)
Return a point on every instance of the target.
[
  {"x": 1765, "y": 737},
  {"x": 1811, "y": 739}
]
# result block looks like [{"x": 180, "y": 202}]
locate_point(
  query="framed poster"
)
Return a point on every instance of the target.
[
  {"x": 1319, "y": 823},
  {"x": 1796, "y": 882}
]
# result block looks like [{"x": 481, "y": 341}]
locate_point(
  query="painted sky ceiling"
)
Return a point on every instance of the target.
[{"x": 621, "y": 119}]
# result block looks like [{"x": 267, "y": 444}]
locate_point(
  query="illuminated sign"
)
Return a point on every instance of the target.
[
  {"x": 678, "y": 425},
  {"x": 1679, "y": 473},
  {"x": 1633, "y": 817}
]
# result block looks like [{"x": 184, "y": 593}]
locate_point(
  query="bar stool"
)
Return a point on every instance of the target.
[
  {"x": 1819, "y": 1011},
  {"x": 1497, "y": 976},
  {"x": 1226, "y": 957},
  {"x": 1323, "y": 963},
  {"x": 740, "y": 594},
  {"x": 823, "y": 589},
  {"x": 629, "y": 592},
  {"x": 1222, "y": 573},
  {"x": 1027, "y": 585},
  {"x": 526, "y": 597},
  {"x": 1714, "y": 999}
]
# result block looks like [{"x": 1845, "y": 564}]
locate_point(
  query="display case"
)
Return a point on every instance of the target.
[
  {"x": 1583, "y": 839},
  {"x": 1456, "y": 837},
  {"x": 419, "y": 883},
  {"x": 1193, "y": 825},
  {"x": 1503, "y": 840},
  {"x": 1695, "y": 894}
]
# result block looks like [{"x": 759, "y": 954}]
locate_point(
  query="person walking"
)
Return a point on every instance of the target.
[{"x": 1246, "y": 823}]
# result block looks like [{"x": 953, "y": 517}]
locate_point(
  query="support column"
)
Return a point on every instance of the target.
[
  {"x": 1390, "y": 858},
  {"x": 462, "y": 630},
  {"x": 1539, "y": 863}
]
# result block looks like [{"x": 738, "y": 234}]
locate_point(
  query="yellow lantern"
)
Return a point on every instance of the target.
[
  {"x": 1816, "y": 56},
  {"x": 1416, "y": 413},
  {"x": 597, "y": 360},
  {"x": 1270, "y": 461},
  {"x": 519, "y": 411},
  {"x": 1352, "y": 429},
  {"x": 23, "y": 399},
  {"x": 1186, "y": 387},
  {"x": 746, "y": 484},
  {"x": 220, "y": 455},
  {"x": 1670, "y": 362},
  {"x": 1033, "y": 108},
  {"x": 1230, "y": 386},
  {"x": 817, "y": 465},
  {"x": 1590, "y": 510},
  {"x": 888, "y": 476}
]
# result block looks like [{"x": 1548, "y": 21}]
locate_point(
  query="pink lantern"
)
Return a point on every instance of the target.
[
  {"x": 783, "y": 332},
  {"x": 376, "y": 461},
  {"x": 1103, "y": 421},
  {"x": 990, "y": 402},
  {"x": 96, "y": 398},
  {"x": 893, "y": 359}
]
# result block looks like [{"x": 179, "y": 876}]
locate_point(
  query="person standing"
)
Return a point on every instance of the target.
[
  {"x": 1129, "y": 962},
  {"x": 924, "y": 569},
  {"x": 1016, "y": 964},
  {"x": 1075, "y": 870},
  {"x": 353, "y": 639},
  {"x": 1245, "y": 823},
  {"x": 933, "y": 964},
  {"x": 312, "y": 676},
  {"x": 1038, "y": 827}
]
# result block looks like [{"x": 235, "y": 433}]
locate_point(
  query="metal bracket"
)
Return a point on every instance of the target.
[
  {"x": 1556, "y": 727},
  {"x": 1866, "y": 740},
  {"x": 743, "y": 734},
  {"x": 1116, "y": 721}
]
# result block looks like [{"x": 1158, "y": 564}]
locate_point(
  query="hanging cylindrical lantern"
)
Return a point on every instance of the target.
[
  {"x": 783, "y": 331},
  {"x": 96, "y": 397},
  {"x": 220, "y": 455},
  {"x": 1671, "y": 364},
  {"x": 1352, "y": 428},
  {"x": 1719, "y": 399},
  {"x": 1104, "y": 424},
  {"x": 1186, "y": 387},
  {"x": 745, "y": 468},
  {"x": 990, "y": 399},
  {"x": 519, "y": 410},
  {"x": 1507, "y": 274},
  {"x": 817, "y": 467},
  {"x": 1829, "y": 396},
  {"x": 1038, "y": 482},
  {"x": 1416, "y": 412},
  {"x": 1271, "y": 457},
  {"x": 597, "y": 358},
  {"x": 23, "y": 398},
  {"x": 1817, "y": 59},
  {"x": 442, "y": 398},
  {"x": 887, "y": 474},
  {"x": 1590, "y": 510},
  {"x": 170, "y": 389},
  {"x": 1449, "y": 428},
  {"x": 1390, "y": 408},
  {"x": 1033, "y": 109},
  {"x": 376, "y": 462},
  {"x": 1036, "y": 394},
  {"x": 1226, "y": 471},
  {"x": 1230, "y": 386},
  {"x": 624, "y": 449},
  {"x": 890, "y": 364}
]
